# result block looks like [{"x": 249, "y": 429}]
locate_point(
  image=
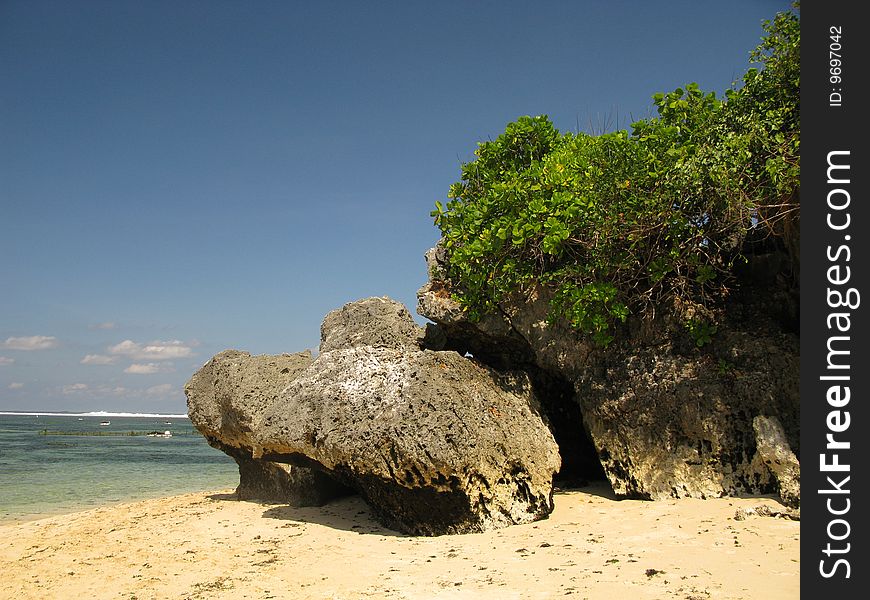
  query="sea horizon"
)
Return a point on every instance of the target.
[{"x": 96, "y": 413}]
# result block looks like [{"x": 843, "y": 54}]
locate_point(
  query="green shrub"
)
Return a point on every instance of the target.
[{"x": 618, "y": 223}]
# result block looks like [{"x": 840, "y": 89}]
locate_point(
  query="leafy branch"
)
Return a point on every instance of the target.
[{"x": 618, "y": 223}]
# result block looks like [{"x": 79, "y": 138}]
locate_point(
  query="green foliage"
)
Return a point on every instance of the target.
[
  {"x": 619, "y": 222},
  {"x": 701, "y": 331},
  {"x": 726, "y": 367}
]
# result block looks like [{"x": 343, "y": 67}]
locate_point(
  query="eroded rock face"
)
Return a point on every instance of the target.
[
  {"x": 226, "y": 399},
  {"x": 671, "y": 424},
  {"x": 377, "y": 322},
  {"x": 267, "y": 481},
  {"x": 435, "y": 442},
  {"x": 774, "y": 451},
  {"x": 666, "y": 418}
]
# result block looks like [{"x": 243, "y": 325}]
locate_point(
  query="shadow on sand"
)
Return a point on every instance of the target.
[
  {"x": 230, "y": 496},
  {"x": 348, "y": 514},
  {"x": 601, "y": 489},
  {"x": 353, "y": 514}
]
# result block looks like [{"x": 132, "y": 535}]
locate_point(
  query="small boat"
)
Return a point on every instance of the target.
[
  {"x": 165, "y": 434},
  {"x": 105, "y": 422},
  {"x": 81, "y": 419}
]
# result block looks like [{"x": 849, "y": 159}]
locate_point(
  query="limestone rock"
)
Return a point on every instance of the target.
[
  {"x": 226, "y": 399},
  {"x": 774, "y": 451},
  {"x": 669, "y": 423},
  {"x": 377, "y": 322},
  {"x": 666, "y": 419},
  {"x": 435, "y": 442},
  {"x": 226, "y": 396},
  {"x": 491, "y": 339},
  {"x": 266, "y": 481}
]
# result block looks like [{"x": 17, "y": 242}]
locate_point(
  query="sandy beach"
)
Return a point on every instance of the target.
[{"x": 209, "y": 545}]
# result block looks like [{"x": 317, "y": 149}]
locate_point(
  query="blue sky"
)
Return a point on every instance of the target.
[{"x": 182, "y": 177}]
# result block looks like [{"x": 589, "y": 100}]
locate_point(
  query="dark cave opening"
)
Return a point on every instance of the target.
[{"x": 580, "y": 461}]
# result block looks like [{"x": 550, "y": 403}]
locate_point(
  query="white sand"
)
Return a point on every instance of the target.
[{"x": 207, "y": 545}]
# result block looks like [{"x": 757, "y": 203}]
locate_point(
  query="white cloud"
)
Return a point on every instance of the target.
[
  {"x": 74, "y": 388},
  {"x": 33, "y": 342},
  {"x": 166, "y": 350},
  {"x": 98, "y": 359},
  {"x": 146, "y": 369},
  {"x": 100, "y": 391},
  {"x": 5, "y": 361},
  {"x": 127, "y": 347},
  {"x": 160, "y": 390},
  {"x": 15, "y": 385},
  {"x": 149, "y": 368},
  {"x": 104, "y": 393},
  {"x": 106, "y": 325},
  {"x": 152, "y": 351}
]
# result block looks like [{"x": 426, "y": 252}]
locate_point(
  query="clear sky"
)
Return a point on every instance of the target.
[{"x": 180, "y": 177}]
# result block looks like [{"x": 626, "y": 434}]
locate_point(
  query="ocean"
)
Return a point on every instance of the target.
[{"x": 52, "y": 463}]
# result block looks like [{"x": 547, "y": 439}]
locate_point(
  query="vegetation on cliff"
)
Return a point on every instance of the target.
[{"x": 622, "y": 222}]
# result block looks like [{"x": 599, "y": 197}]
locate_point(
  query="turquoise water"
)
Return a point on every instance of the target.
[{"x": 49, "y": 474}]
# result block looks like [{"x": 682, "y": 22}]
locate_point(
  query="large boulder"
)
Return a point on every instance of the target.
[
  {"x": 226, "y": 399},
  {"x": 435, "y": 442},
  {"x": 666, "y": 418}
]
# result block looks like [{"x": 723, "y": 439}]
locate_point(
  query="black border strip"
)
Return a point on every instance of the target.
[{"x": 834, "y": 246}]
